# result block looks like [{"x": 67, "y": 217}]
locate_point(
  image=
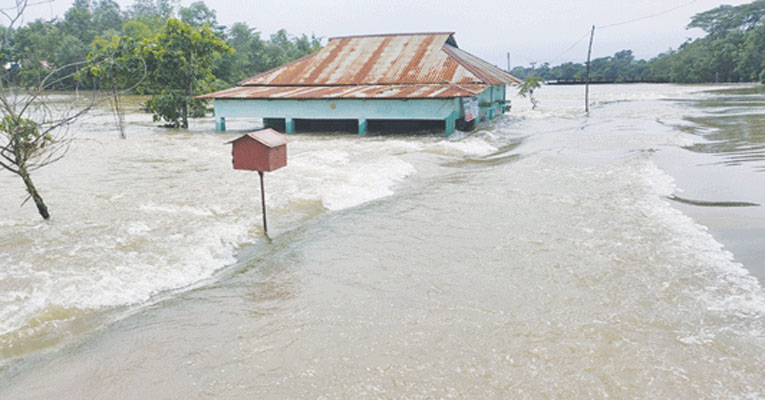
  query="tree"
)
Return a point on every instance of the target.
[
  {"x": 659, "y": 67},
  {"x": 151, "y": 9},
  {"x": 38, "y": 48},
  {"x": 180, "y": 61},
  {"x": 152, "y": 13},
  {"x": 752, "y": 54},
  {"x": 197, "y": 14},
  {"x": 241, "y": 63},
  {"x": 33, "y": 131},
  {"x": 78, "y": 21},
  {"x": 107, "y": 16},
  {"x": 116, "y": 66},
  {"x": 732, "y": 51},
  {"x": 725, "y": 18},
  {"x": 623, "y": 66},
  {"x": 529, "y": 85},
  {"x": 136, "y": 29}
]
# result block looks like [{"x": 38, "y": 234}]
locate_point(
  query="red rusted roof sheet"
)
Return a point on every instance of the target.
[
  {"x": 268, "y": 137},
  {"x": 349, "y": 91},
  {"x": 417, "y": 65},
  {"x": 486, "y": 72}
]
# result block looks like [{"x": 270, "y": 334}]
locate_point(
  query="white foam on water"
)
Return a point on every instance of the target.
[
  {"x": 114, "y": 268},
  {"x": 730, "y": 289},
  {"x": 344, "y": 178},
  {"x": 156, "y": 216},
  {"x": 161, "y": 212},
  {"x": 176, "y": 209},
  {"x": 720, "y": 293},
  {"x": 474, "y": 145}
]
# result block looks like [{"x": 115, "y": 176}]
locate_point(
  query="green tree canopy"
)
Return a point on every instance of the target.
[
  {"x": 528, "y": 86},
  {"x": 78, "y": 21},
  {"x": 107, "y": 16},
  {"x": 180, "y": 61},
  {"x": 152, "y": 9},
  {"x": 725, "y": 18},
  {"x": 198, "y": 14},
  {"x": 116, "y": 65},
  {"x": 39, "y": 47}
]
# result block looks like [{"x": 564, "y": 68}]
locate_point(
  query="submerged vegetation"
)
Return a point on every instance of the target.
[
  {"x": 173, "y": 54},
  {"x": 733, "y": 50},
  {"x": 528, "y": 86},
  {"x": 154, "y": 48},
  {"x": 34, "y": 128}
]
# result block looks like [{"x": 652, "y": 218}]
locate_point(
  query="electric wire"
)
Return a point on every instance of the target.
[
  {"x": 647, "y": 16},
  {"x": 620, "y": 24},
  {"x": 570, "y": 48}
]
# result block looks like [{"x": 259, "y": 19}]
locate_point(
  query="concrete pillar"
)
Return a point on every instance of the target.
[
  {"x": 450, "y": 124},
  {"x": 362, "y": 126},
  {"x": 220, "y": 123},
  {"x": 289, "y": 125}
]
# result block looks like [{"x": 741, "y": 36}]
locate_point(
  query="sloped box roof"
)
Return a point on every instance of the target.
[{"x": 394, "y": 66}]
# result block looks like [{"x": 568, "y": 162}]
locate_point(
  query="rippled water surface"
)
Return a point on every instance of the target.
[{"x": 546, "y": 254}]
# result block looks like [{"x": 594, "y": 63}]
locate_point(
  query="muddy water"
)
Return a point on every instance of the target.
[
  {"x": 724, "y": 190},
  {"x": 541, "y": 255}
]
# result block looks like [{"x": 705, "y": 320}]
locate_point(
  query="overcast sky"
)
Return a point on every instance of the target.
[{"x": 532, "y": 31}]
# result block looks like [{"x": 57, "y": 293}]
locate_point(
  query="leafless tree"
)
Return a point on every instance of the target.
[{"x": 34, "y": 130}]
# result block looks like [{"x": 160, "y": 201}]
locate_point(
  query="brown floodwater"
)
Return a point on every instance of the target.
[{"x": 546, "y": 254}]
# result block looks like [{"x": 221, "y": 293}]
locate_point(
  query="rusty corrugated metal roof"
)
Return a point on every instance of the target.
[
  {"x": 417, "y": 65},
  {"x": 349, "y": 91},
  {"x": 267, "y": 137},
  {"x": 486, "y": 72}
]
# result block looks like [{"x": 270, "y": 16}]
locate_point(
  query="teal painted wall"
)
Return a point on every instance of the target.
[
  {"x": 433, "y": 109},
  {"x": 490, "y": 101}
]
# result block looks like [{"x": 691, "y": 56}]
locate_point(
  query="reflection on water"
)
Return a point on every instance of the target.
[{"x": 734, "y": 126}]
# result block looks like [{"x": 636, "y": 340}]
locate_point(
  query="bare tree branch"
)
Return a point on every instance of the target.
[{"x": 34, "y": 129}]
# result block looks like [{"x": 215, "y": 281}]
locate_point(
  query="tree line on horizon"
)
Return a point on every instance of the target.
[
  {"x": 733, "y": 50},
  {"x": 153, "y": 47},
  {"x": 175, "y": 53}
]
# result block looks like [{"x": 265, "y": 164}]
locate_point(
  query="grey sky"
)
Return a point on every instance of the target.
[{"x": 533, "y": 31}]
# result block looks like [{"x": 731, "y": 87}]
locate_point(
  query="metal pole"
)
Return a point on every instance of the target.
[
  {"x": 263, "y": 202},
  {"x": 587, "y": 84},
  {"x": 508, "y": 62}
]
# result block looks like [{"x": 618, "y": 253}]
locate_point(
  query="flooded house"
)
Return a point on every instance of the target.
[{"x": 372, "y": 82}]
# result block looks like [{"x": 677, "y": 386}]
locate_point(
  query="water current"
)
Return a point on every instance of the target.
[{"x": 546, "y": 254}]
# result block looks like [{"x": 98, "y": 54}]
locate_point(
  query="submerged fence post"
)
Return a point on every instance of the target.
[{"x": 263, "y": 202}]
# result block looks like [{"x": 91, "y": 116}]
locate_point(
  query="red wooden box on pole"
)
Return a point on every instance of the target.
[{"x": 262, "y": 151}]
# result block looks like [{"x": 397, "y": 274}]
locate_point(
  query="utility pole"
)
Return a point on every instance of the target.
[
  {"x": 263, "y": 203},
  {"x": 587, "y": 83},
  {"x": 508, "y": 62}
]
